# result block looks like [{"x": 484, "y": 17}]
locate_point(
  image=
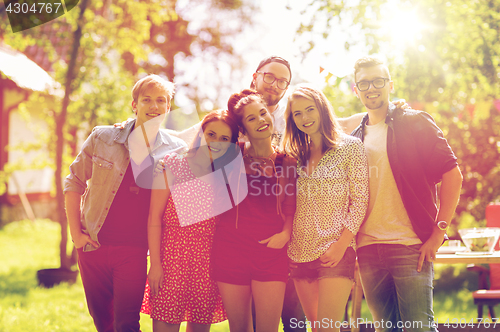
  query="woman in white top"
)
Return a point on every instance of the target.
[{"x": 332, "y": 197}]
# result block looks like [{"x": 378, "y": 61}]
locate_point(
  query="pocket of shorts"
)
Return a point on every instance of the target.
[
  {"x": 350, "y": 254},
  {"x": 101, "y": 170}
]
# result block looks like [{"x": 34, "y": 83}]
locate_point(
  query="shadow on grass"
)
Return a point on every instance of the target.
[
  {"x": 452, "y": 279},
  {"x": 18, "y": 282}
]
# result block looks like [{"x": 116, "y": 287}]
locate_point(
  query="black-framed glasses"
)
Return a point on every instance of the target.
[
  {"x": 270, "y": 78},
  {"x": 377, "y": 83}
]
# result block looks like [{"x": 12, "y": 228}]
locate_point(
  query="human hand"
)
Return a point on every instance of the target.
[
  {"x": 82, "y": 239},
  {"x": 333, "y": 255},
  {"x": 401, "y": 104},
  {"x": 429, "y": 248},
  {"x": 155, "y": 279},
  {"x": 122, "y": 124},
  {"x": 277, "y": 241},
  {"x": 160, "y": 167}
]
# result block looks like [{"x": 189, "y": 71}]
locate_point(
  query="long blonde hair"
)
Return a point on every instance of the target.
[{"x": 296, "y": 142}]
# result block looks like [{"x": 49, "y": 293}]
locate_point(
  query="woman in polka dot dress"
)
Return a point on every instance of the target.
[
  {"x": 332, "y": 198},
  {"x": 180, "y": 232}
]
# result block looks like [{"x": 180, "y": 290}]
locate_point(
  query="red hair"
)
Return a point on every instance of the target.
[
  {"x": 224, "y": 116},
  {"x": 227, "y": 118}
]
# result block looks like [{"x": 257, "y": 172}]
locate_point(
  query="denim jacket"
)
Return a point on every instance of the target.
[
  {"x": 419, "y": 155},
  {"x": 103, "y": 160}
]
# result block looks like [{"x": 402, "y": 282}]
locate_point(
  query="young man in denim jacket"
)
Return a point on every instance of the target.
[
  {"x": 109, "y": 223},
  {"x": 397, "y": 243}
]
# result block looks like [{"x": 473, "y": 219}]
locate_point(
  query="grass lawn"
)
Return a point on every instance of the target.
[{"x": 26, "y": 247}]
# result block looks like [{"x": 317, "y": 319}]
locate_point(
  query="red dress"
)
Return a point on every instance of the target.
[
  {"x": 188, "y": 292},
  {"x": 237, "y": 256}
]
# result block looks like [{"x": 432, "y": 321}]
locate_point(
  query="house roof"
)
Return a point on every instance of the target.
[{"x": 24, "y": 72}]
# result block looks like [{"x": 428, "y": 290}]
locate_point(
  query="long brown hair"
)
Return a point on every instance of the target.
[{"x": 296, "y": 142}]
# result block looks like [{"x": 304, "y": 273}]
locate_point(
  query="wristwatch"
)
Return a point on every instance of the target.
[{"x": 443, "y": 225}]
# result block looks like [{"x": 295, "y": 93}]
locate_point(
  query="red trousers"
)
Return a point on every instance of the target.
[{"x": 114, "y": 278}]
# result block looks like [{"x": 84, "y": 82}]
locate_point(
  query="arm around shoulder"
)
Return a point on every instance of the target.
[
  {"x": 350, "y": 123},
  {"x": 188, "y": 135}
]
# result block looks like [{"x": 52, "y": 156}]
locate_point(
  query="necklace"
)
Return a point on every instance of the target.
[{"x": 260, "y": 165}]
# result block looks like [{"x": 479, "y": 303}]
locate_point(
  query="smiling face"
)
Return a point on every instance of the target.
[
  {"x": 257, "y": 121},
  {"x": 270, "y": 92},
  {"x": 217, "y": 135},
  {"x": 306, "y": 115},
  {"x": 374, "y": 99},
  {"x": 151, "y": 103}
]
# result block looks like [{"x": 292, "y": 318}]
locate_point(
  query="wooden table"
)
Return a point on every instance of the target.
[
  {"x": 357, "y": 292},
  {"x": 467, "y": 258}
]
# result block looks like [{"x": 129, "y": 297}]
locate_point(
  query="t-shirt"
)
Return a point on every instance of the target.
[
  {"x": 386, "y": 219},
  {"x": 127, "y": 219}
]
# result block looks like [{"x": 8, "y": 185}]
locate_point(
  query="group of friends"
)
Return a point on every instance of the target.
[{"x": 261, "y": 211}]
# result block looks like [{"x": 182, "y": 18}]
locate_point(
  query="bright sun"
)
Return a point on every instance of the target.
[{"x": 403, "y": 27}]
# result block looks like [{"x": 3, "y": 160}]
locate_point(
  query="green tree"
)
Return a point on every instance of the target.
[
  {"x": 444, "y": 57},
  {"x": 111, "y": 45}
]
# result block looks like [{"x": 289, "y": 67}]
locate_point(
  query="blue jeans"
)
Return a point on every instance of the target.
[{"x": 398, "y": 296}]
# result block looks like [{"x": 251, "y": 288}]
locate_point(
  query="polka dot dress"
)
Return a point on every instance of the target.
[{"x": 188, "y": 292}]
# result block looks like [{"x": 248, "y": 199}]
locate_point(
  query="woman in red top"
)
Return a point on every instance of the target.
[{"x": 249, "y": 260}]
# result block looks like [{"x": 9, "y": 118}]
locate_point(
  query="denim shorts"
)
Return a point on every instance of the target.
[{"x": 312, "y": 271}]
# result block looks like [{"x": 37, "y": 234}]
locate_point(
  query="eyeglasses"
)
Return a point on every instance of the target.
[
  {"x": 377, "y": 83},
  {"x": 270, "y": 78}
]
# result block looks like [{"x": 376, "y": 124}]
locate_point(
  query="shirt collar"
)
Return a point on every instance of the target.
[
  {"x": 162, "y": 138},
  {"x": 390, "y": 113},
  {"x": 389, "y": 117},
  {"x": 122, "y": 135}
]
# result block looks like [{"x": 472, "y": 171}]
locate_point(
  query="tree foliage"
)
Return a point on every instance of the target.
[
  {"x": 450, "y": 67},
  {"x": 115, "y": 42}
]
